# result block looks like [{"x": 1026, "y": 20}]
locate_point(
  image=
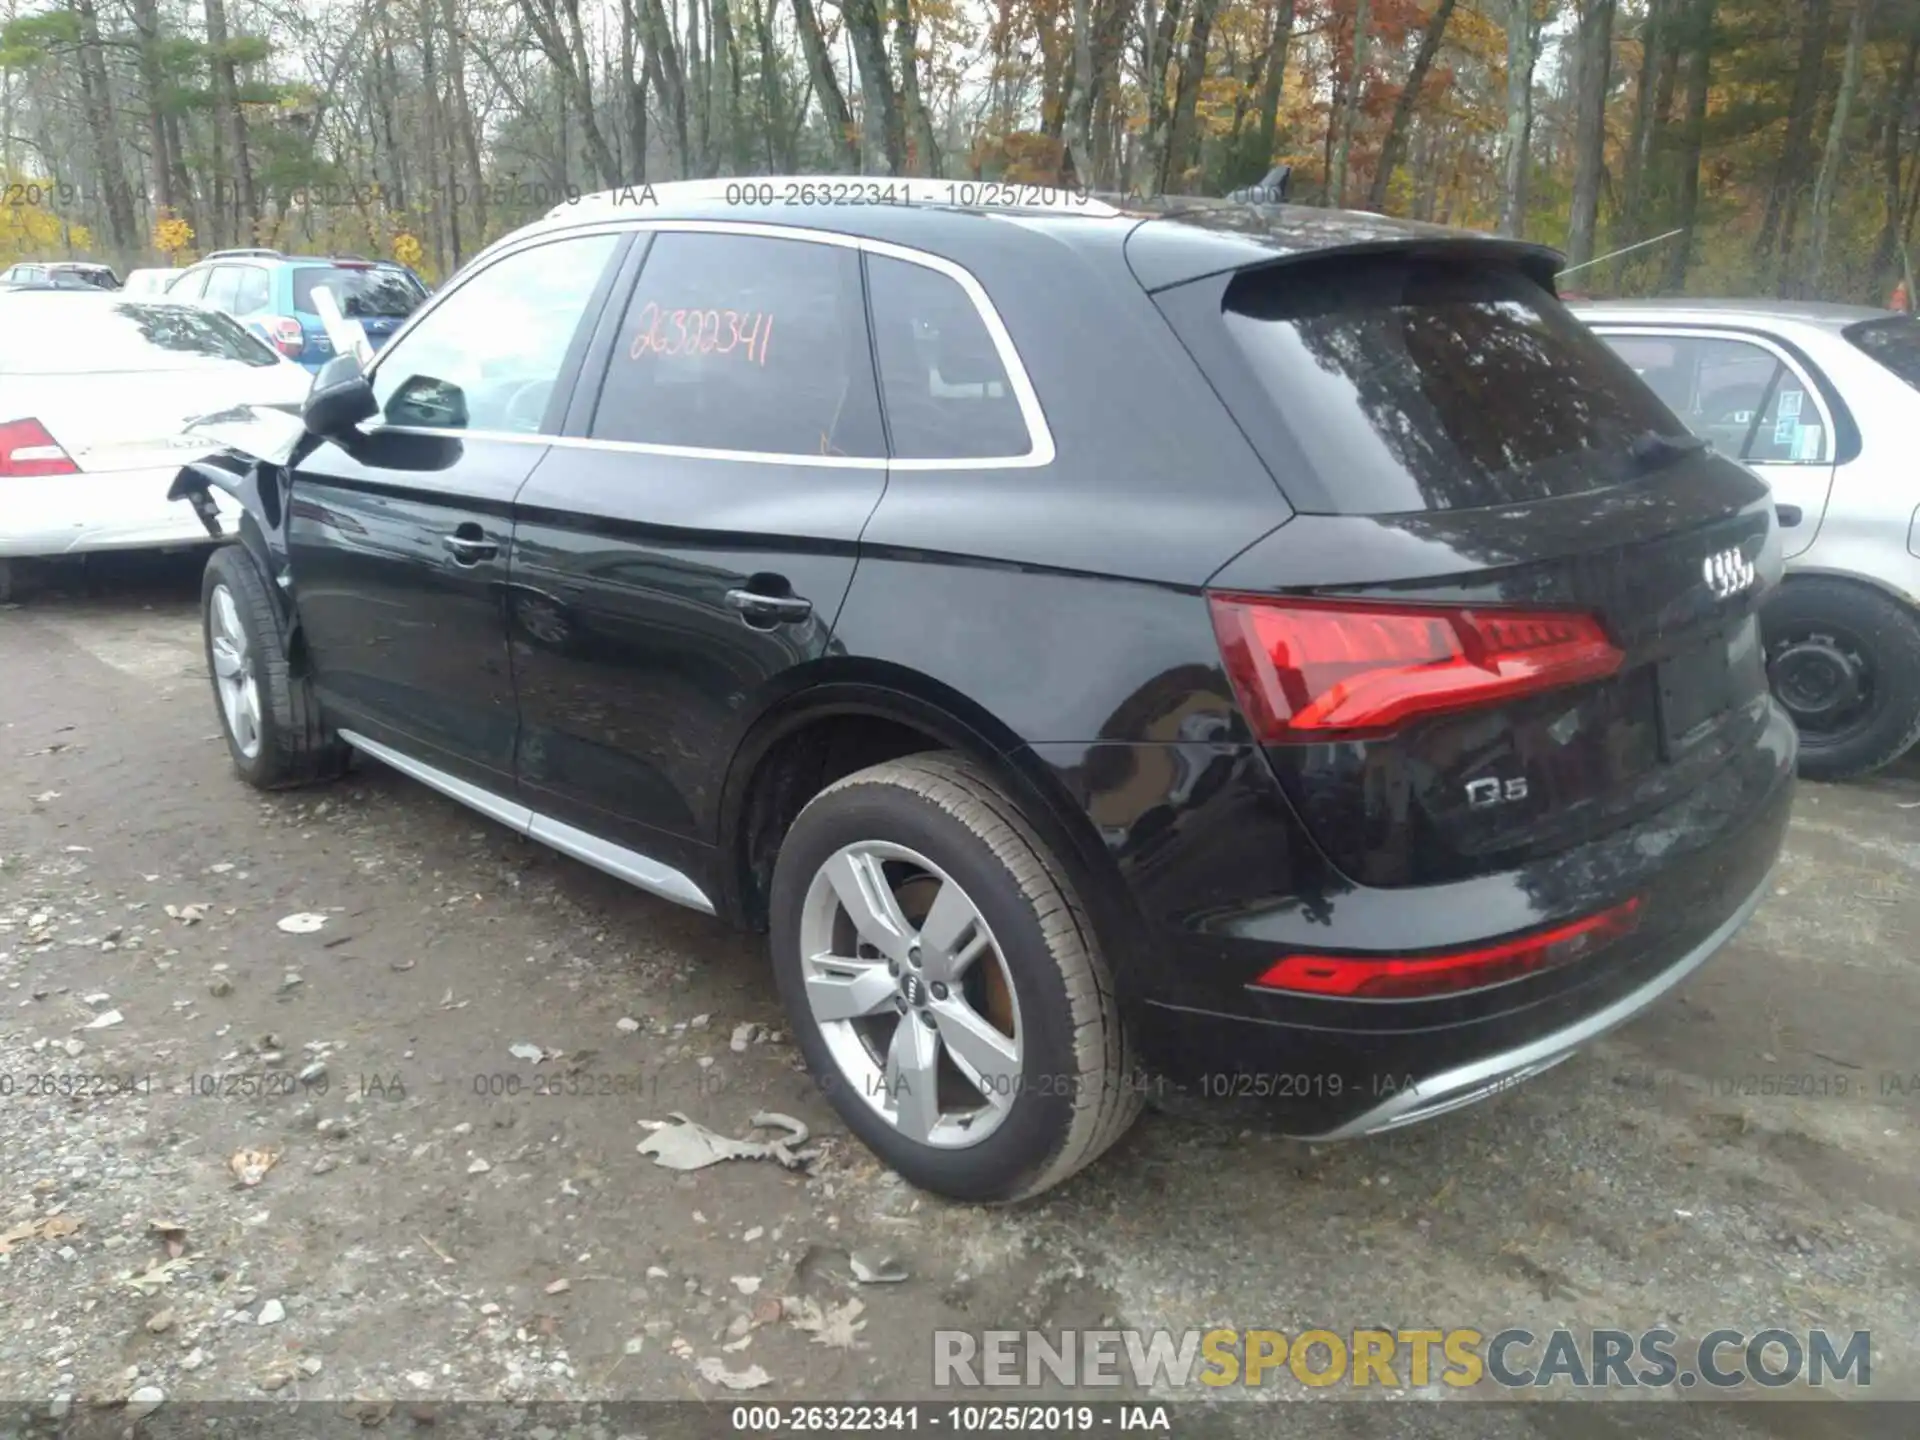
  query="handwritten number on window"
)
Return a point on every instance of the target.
[{"x": 702, "y": 332}]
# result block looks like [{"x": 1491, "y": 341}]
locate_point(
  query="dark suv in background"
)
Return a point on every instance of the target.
[{"x": 1273, "y": 649}]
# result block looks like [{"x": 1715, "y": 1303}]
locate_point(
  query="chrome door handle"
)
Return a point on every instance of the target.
[
  {"x": 770, "y": 609},
  {"x": 470, "y": 550}
]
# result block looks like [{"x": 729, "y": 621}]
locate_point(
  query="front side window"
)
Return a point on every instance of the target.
[
  {"x": 946, "y": 389},
  {"x": 190, "y": 286},
  {"x": 490, "y": 354},
  {"x": 224, "y": 287},
  {"x": 744, "y": 343},
  {"x": 1738, "y": 394}
]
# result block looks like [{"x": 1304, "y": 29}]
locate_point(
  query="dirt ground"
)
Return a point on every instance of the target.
[{"x": 449, "y": 1219}]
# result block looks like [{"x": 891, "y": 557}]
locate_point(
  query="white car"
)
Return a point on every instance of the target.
[
  {"x": 153, "y": 280},
  {"x": 1819, "y": 401},
  {"x": 95, "y": 392}
]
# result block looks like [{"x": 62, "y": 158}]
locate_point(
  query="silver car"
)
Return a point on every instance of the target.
[{"x": 1819, "y": 400}]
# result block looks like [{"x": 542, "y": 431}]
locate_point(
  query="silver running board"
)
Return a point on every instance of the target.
[{"x": 641, "y": 871}]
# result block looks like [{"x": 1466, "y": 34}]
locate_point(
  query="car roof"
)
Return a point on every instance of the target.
[
  {"x": 1167, "y": 241},
  {"x": 1682, "y": 310}
]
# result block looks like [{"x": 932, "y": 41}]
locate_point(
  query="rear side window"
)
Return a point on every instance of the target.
[
  {"x": 1894, "y": 342},
  {"x": 1736, "y": 393},
  {"x": 744, "y": 343},
  {"x": 946, "y": 388},
  {"x": 253, "y": 291},
  {"x": 1400, "y": 383}
]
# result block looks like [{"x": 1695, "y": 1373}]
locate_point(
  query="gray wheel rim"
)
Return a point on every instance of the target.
[
  {"x": 233, "y": 674},
  {"x": 898, "y": 1003}
]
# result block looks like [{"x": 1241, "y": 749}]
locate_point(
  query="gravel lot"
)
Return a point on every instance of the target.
[{"x": 451, "y": 1071}]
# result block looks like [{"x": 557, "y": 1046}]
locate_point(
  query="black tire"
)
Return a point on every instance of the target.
[
  {"x": 946, "y": 809},
  {"x": 296, "y": 746},
  {"x": 1818, "y": 623}
]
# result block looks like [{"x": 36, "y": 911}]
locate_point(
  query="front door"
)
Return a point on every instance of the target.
[
  {"x": 685, "y": 553},
  {"x": 399, "y": 541},
  {"x": 1755, "y": 401}
]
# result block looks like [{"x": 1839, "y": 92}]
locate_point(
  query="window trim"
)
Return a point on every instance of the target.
[
  {"x": 1787, "y": 358},
  {"x": 1040, "y": 452}
]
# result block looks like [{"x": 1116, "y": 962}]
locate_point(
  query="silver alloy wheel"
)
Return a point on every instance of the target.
[
  {"x": 900, "y": 1003},
  {"x": 233, "y": 673}
]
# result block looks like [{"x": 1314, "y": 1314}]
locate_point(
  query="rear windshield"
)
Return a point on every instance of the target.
[
  {"x": 1399, "y": 383},
  {"x": 375, "y": 294},
  {"x": 1894, "y": 342},
  {"x": 49, "y": 335}
]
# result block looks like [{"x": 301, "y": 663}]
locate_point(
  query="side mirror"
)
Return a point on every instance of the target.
[
  {"x": 340, "y": 399},
  {"x": 428, "y": 403}
]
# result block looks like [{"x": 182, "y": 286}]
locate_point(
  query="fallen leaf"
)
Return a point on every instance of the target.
[
  {"x": 521, "y": 1050},
  {"x": 158, "y": 1275},
  {"x": 172, "y": 1232},
  {"x": 47, "y": 1227},
  {"x": 714, "y": 1371},
  {"x": 250, "y": 1166},
  {"x": 688, "y": 1145}
]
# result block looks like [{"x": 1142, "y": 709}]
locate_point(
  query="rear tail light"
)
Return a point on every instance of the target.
[
  {"x": 1309, "y": 670},
  {"x": 27, "y": 449},
  {"x": 287, "y": 336},
  {"x": 1407, "y": 977}
]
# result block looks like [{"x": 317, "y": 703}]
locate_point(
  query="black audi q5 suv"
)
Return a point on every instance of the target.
[{"x": 1256, "y": 651}]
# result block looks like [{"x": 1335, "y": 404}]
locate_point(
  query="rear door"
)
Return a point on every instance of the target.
[
  {"x": 682, "y": 555},
  {"x": 1516, "y": 609},
  {"x": 399, "y": 543},
  {"x": 1757, "y": 403}
]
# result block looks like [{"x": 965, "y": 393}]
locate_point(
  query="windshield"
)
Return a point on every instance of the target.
[
  {"x": 1402, "y": 384},
  {"x": 363, "y": 294},
  {"x": 1894, "y": 342},
  {"x": 44, "y": 335}
]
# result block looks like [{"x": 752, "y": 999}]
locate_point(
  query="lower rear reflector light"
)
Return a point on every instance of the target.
[
  {"x": 1408, "y": 977},
  {"x": 1306, "y": 670}
]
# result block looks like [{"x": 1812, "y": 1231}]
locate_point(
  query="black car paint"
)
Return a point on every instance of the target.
[{"x": 1052, "y": 621}]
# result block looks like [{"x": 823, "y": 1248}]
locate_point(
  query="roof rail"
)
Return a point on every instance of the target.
[
  {"x": 260, "y": 251},
  {"x": 764, "y": 195}
]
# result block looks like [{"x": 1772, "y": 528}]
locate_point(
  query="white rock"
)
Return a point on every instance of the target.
[
  {"x": 271, "y": 1313},
  {"x": 144, "y": 1401},
  {"x": 311, "y": 1365},
  {"x": 73, "y": 1048},
  {"x": 746, "y": 1284},
  {"x": 96, "y": 1001},
  {"x": 193, "y": 1359},
  {"x": 478, "y": 1167},
  {"x": 655, "y": 1272},
  {"x": 635, "y": 1345},
  {"x": 626, "y": 1024},
  {"x": 104, "y": 1019}
]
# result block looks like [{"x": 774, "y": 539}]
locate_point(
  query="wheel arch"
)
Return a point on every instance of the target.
[{"x": 833, "y": 702}]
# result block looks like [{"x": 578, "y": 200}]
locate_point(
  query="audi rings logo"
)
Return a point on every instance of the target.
[{"x": 1728, "y": 573}]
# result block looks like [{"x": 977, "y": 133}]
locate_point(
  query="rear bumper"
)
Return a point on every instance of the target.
[
  {"x": 113, "y": 510},
  {"x": 1481, "y": 1079},
  {"x": 1225, "y": 881}
]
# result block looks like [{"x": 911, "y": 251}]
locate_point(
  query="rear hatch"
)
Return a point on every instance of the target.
[{"x": 1516, "y": 609}]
